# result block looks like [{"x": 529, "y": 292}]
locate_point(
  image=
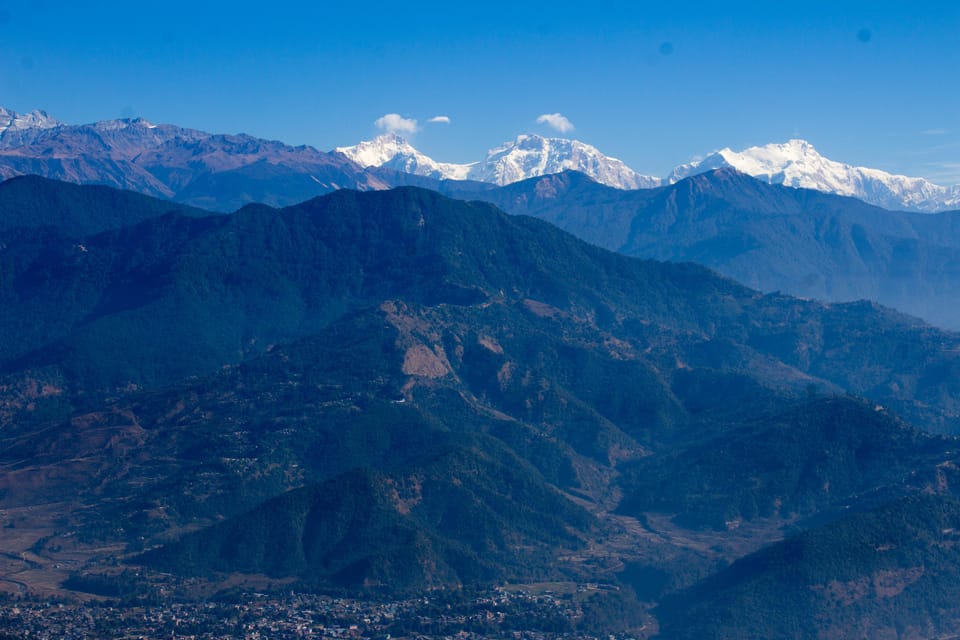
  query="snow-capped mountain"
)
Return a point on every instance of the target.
[
  {"x": 528, "y": 156},
  {"x": 797, "y": 164},
  {"x": 394, "y": 152},
  {"x": 20, "y": 128}
]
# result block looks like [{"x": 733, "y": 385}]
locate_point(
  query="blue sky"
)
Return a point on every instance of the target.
[{"x": 872, "y": 83}]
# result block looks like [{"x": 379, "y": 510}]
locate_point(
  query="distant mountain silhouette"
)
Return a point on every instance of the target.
[
  {"x": 213, "y": 171},
  {"x": 770, "y": 237}
]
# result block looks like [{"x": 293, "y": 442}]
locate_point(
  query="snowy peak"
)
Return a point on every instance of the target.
[
  {"x": 379, "y": 151},
  {"x": 20, "y": 128},
  {"x": 531, "y": 155},
  {"x": 394, "y": 152},
  {"x": 798, "y": 156},
  {"x": 13, "y": 121},
  {"x": 796, "y": 163},
  {"x": 528, "y": 156}
]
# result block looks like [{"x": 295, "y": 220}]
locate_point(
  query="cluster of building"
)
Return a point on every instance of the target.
[{"x": 512, "y": 614}]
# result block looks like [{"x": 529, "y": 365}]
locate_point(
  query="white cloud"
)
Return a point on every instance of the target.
[
  {"x": 395, "y": 123},
  {"x": 442, "y": 119},
  {"x": 935, "y": 132},
  {"x": 557, "y": 121}
]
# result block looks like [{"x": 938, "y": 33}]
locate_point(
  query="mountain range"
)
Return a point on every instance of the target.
[
  {"x": 774, "y": 238},
  {"x": 795, "y": 163},
  {"x": 224, "y": 172},
  {"x": 527, "y": 156},
  {"x": 216, "y": 171},
  {"x": 393, "y": 391}
]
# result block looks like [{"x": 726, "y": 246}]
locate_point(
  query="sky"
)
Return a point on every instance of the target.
[{"x": 868, "y": 83}]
